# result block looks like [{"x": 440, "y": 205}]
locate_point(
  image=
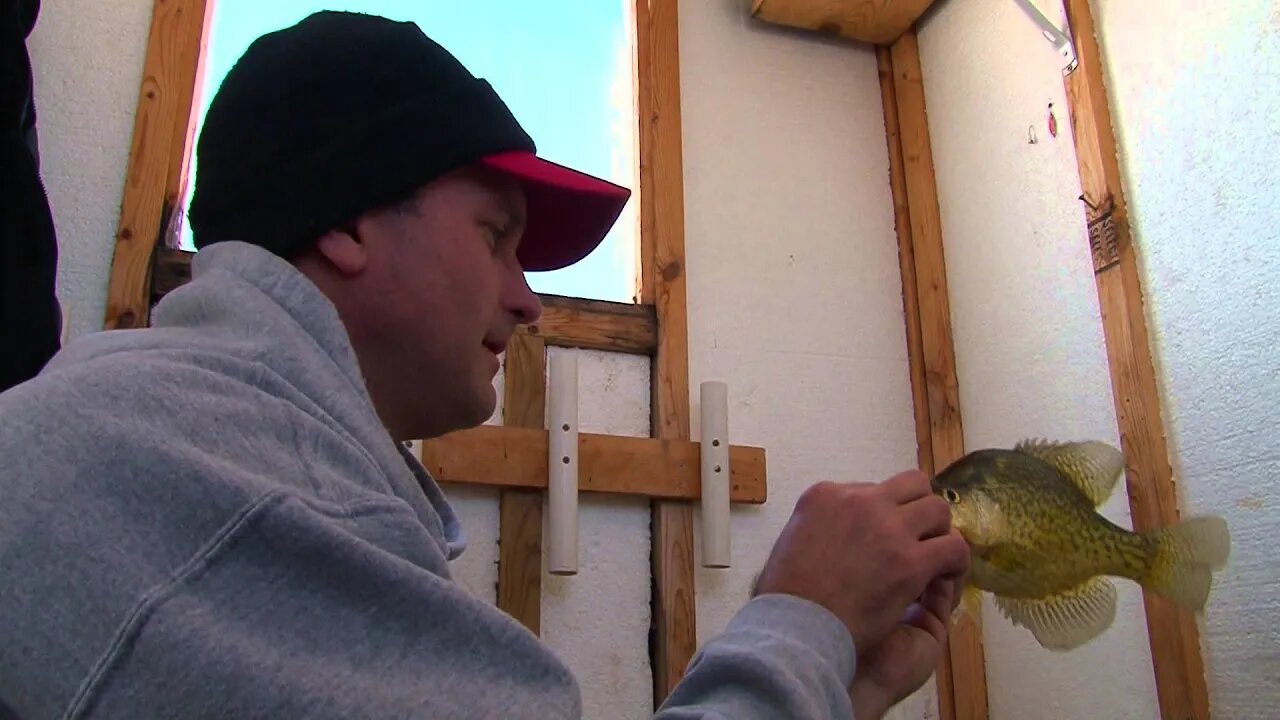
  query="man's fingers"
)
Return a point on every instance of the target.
[
  {"x": 941, "y": 596},
  {"x": 948, "y": 555},
  {"x": 929, "y": 516},
  {"x": 907, "y": 486},
  {"x": 931, "y": 611},
  {"x": 927, "y": 618}
]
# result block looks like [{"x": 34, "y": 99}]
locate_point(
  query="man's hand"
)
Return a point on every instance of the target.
[
  {"x": 908, "y": 655},
  {"x": 866, "y": 552}
]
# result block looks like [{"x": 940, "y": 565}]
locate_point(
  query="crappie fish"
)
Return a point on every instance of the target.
[{"x": 1040, "y": 547}]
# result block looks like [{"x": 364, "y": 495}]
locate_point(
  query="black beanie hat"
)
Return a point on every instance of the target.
[{"x": 344, "y": 112}]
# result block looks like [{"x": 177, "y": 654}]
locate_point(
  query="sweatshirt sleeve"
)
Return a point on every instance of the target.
[{"x": 780, "y": 656}]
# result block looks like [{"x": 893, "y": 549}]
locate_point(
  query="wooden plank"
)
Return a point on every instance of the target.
[
  {"x": 596, "y": 325},
  {"x": 182, "y": 144},
  {"x": 1172, "y": 632},
  {"x": 906, "y": 259},
  {"x": 502, "y": 456},
  {"x": 158, "y": 158},
  {"x": 962, "y": 679},
  {"x": 565, "y": 322},
  {"x": 911, "y": 314},
  {"x": 520, "y": 510},
  {"x": 663, "y": 285},
  {"x": 879, "y": 22}
]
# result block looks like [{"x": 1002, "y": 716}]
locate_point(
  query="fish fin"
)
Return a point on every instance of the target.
[
  {"x": 1092, "y": 466},
  {"x": 970, "y": 604},
  {"x": 1067, "y": 620},
  {"x": 1186, "y": 554}
]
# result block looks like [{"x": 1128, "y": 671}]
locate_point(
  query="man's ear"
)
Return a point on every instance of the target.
[{"x": 343, "y": 250}]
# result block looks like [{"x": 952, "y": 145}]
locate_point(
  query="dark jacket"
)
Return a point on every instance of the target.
[{"x": 30, "y": 317}]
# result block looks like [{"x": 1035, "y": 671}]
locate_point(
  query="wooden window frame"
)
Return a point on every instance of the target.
[{"x": 147, "y": 264}]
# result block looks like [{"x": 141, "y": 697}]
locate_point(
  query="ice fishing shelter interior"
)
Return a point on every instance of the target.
[{"x": 866, "y": 236}]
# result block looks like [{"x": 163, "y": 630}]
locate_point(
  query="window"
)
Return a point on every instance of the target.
[{"x": 565, "y": 68}]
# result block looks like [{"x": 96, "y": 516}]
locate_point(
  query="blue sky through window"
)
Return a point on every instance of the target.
[{"x": 563, "y": 66}]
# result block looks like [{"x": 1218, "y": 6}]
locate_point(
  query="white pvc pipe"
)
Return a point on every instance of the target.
[
  {"x": 715, "y": 474},
  {"x": 562, "y": 461}
]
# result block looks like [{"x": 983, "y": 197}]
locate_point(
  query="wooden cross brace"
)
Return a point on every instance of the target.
[{"x": 514, "y": 457}]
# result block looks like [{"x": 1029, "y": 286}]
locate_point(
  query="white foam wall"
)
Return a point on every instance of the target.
[
  {"x": 1196, "y": 104},
  {"x": 794, "y": 288},
  {"x": 87, "y": 62}
]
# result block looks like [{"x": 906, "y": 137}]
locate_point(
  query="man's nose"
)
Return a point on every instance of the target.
[{"x": 525, "y": 303}]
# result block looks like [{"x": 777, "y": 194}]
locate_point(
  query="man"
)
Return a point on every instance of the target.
[{"x": 217, "y": 516}]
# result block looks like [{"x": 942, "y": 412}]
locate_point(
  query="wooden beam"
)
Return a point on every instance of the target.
[
  {"x": 1172, "y": 631},
  {"x": 162, "y": 133},
  {"x": 911, "y": 314},
  {"x": 517, "y": 457},
  {"x": 565, "y": 322},
  {"x": 906, "y": 259},
  {"x": 962, "y": 686},
  {"x": 597, "y": 325},
  {"x": 663, "y": 286},
  {"x": 879, "y": 22},
  {"x": 520, "y": 510}
]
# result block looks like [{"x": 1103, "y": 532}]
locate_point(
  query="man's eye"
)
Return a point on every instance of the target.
[{"x": 499, "y": 235}]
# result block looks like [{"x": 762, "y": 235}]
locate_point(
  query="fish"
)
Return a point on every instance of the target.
[{"x": 1041, "y": 549}]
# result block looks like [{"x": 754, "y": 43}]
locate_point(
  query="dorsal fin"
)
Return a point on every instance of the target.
[{"x": 1092, "y": 466}]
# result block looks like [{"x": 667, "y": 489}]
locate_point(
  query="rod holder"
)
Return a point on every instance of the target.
[
  {"x": 562, "y": 464},
  {"x": 714, "y": 451}
]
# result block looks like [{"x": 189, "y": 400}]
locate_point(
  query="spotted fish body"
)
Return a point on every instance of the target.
[{"x": 1040, "y": 547}]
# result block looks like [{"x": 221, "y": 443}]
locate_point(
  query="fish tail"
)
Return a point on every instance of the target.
[{"x": 1185, "y": 556}]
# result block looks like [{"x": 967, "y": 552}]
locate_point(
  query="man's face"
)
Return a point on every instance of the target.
[{"x": 437, "y": 296}]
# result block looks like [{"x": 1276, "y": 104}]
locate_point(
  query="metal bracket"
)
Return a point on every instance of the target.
[{"x": 1060, "y": 38}]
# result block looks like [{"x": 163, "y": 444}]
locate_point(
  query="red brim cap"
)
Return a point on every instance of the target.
[{"x": 568, "y": 212}]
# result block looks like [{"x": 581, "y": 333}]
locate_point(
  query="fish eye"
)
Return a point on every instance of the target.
[{"x": 951, "y": 495}]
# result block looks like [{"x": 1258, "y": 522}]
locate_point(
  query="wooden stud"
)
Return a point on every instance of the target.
[
  {"x": 961, "y": 677},
  {"x": 156, "y": 175},
  {"x": 911, "y": 313},
  {"x": 565, "y": 322},
  {"x": 515, "y": 457},
  {"x": 1172, "y": 631},
  {"x": 906, "y": 259},
  {"x": 520, "y": 510},
  {"x": 663, "y": 286},
  {"x": 596, "y": 325},
  {"x": 880, "y": 22}
]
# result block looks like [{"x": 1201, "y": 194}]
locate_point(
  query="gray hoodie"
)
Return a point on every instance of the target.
[{"x": 205, "y": 518}]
